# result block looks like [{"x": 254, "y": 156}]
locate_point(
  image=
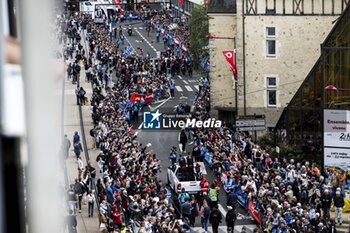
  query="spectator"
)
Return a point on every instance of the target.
[
  {"x": 326, "y": 201},
  {"x": 215, "y": 219},
  {"x": 183, "y": 140},
  {"x": 81, "y": 94},
  {"x": 66, "y": 146},
  {"x": 230, "y": 219},
  {"x": 91, "y": 201},
  {"x": 72, "y": 222},
  {"x": 338, "y": 205},
  {"x": 205, "y": 214}
]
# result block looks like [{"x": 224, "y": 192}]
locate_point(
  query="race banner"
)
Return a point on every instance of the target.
[
  {"x": 230, "y": 58},
  {"x": 337, "y": 128},
  {"x": 337, "y": 158}
]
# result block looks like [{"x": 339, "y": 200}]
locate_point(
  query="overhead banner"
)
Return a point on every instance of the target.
[
  {"x": 336, "y": 128},
  {"x": 230, "y": 58},
  {"x": 337, "y": 158}
]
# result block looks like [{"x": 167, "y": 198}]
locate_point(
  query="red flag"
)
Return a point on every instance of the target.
[
  {"x": 181, "y": 2},
  {"x": 117, "y": 2},
  {"x": 230, "y": 58},
  {"x": 148, "y": 98}
]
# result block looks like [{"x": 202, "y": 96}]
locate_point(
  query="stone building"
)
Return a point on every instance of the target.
[{"x": 277, "y": 42}]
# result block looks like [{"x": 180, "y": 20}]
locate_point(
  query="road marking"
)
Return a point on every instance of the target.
[
  {"x": 222, "y": 210},
  {"x": 188, "y": 88},
  {"x": 129, "y": 42},
  {"x": 178, "y": 88},
  {"x": 183, "y": 97},
  {"x": 185, "y": 82},
  {"x": 124, "y": 28},
  {"x": 192, "y": 81},
  {"x": 196, "y": 86},
  {"x": 179, "y": 77},
  {"x": 139, "y": 128},
  {"x": 159, "y": 101},
  {"x": 146, "y": 40},
  {"x": 152, "y": 109},
  {"x": 138, "y": 41},
  {"x": 242, "y": 216},
  {"x": 140, "y": 27}
]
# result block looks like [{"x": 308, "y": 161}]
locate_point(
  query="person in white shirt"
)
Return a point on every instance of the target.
[
  {"x": 80, "y": 166},
  {"x": 91, "y": 201}
]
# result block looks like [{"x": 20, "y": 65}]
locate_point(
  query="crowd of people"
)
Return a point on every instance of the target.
[{"x": 287, "y": 196}]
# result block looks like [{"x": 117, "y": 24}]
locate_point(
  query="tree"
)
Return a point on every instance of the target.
[{"x": 199, "y": 30}]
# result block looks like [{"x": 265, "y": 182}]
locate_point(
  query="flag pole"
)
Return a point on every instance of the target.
[{"x": 236, "y": 84}]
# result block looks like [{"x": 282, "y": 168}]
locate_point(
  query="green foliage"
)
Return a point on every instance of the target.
[
  {"x": 289, "y": 151},
  {"x": 199, "y": 30}
]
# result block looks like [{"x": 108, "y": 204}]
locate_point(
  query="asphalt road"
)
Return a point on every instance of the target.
[{"x": 162, "y": 140}]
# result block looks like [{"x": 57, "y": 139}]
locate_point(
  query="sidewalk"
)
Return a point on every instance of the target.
[{"x": 72, "y": 124}]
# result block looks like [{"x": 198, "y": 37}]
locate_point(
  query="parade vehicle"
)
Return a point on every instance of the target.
[{"x": 188, "y": 179}]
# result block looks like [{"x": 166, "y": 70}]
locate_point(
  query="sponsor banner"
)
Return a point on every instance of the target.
[
  {"x": 336, "y": 128},
  {"x": 337, "y": 157}
]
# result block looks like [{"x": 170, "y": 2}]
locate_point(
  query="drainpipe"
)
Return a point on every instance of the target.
[{"x": 244, "y": 81}]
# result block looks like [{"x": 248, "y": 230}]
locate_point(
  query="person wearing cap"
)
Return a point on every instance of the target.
[
  {"x": 338, "y": 207},
  {"x": 230, "y": 219}
]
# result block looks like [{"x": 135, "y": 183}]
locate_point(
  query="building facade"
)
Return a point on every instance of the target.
[
  {"x": 318, "y": 102},
  {"x": 277, "y": 43}
]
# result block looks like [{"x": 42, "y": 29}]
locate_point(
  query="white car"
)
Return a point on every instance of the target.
[{"x": 177, "y": 179}]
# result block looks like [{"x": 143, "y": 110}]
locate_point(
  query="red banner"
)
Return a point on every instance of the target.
[
  {"x": 148, "y": 98},
  {"x": 256, "y": 214},
  {"x": 230, "y": 58}
]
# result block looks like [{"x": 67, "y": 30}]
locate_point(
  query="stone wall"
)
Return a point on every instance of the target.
[{"x": 222, "y": 85}]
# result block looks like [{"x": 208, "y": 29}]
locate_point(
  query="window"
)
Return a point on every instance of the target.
[
  {"x": 271, "y": 91},
  {"x": 270, "y": 42}
]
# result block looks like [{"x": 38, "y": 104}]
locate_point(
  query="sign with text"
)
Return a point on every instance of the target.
[
  {"x": 251, "y": 123},
  {"x": 336, "y": 128},
  {"x": 337, "y": 157}
]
